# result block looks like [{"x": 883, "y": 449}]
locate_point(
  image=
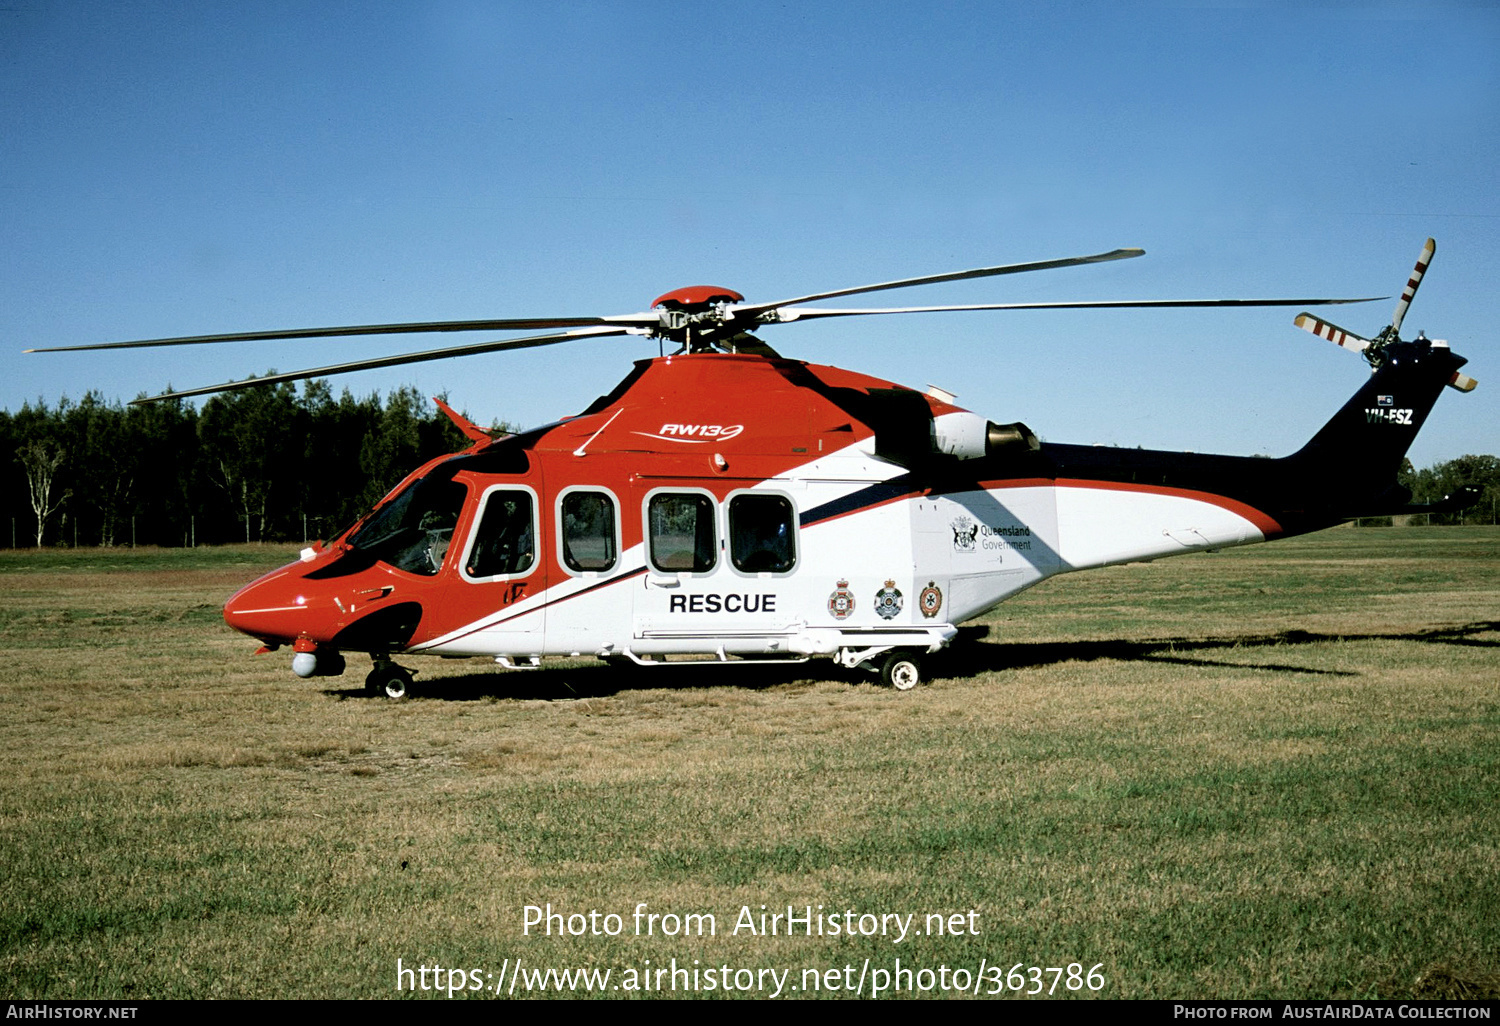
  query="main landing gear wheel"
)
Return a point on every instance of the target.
[
  {"x": 389, "y": 680},
  {"x": 901, "y": 670}
]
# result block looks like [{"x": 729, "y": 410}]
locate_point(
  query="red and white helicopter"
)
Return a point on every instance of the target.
[{"x": 724, "y": 501}]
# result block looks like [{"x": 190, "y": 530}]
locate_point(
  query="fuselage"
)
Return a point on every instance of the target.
[{"x": 754, "y": 506}]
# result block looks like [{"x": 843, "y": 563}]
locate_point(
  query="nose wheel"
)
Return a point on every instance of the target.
[{"x": 389, "y": 680}]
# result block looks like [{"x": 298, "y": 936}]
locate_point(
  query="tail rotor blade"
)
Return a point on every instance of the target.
[
  {"x": 1462, "y": 382},
  {"x": 1411, "y": 286},
  {"x": 1332, "y": 332}
]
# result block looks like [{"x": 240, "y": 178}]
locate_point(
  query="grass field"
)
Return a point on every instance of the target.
[{"x": 1269, "y": 772}]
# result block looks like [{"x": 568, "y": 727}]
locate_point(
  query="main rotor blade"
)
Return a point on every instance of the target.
[
  {"x": 1411, "y": 286},
  {"x": 795, "y": 314},
  {"x": 752, "y": 309},
  {"x": 644, "y": 320},
  {"x": 393, "y": 361}
]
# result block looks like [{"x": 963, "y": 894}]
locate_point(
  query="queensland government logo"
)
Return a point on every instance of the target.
[
  {"x": 841, "y": 602},
  {"x": 888, "y": 601},
  {"x": 965, "y": 531}
]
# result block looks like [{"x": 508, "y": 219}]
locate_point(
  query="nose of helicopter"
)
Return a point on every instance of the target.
[{"x": 271, "y": 608}]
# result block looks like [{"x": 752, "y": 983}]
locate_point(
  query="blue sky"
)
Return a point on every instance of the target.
[{"x": 171, "y": 169}]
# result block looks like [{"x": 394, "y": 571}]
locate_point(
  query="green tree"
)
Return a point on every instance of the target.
[
  {"x": 168, "y": 495},
  {"x": 104, "y": 467},
  {"x": 251, "y": 450},
  {"x": 41, "y": 460}
]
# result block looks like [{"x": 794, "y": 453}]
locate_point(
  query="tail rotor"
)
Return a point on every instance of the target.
[{"x": 1376, "y": 350}]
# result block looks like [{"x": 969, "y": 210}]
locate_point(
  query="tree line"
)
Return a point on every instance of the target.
[
  {"x": 270, "y": 464},
  {"x": 261, "y": 464},
  {"x": 1434, "y": 483}
]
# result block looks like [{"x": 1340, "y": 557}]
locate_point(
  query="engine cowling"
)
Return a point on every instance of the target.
[{"x": 969, "y": 436}]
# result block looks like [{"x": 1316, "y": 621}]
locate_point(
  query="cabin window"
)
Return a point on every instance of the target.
[
  {"x": 589, "y": 537},
  {"x": 682, "y": 533},
  {"x": 505, "y": 541},
  {"x": 762, "y": 533},
  {"x": 412, "y": 532}
]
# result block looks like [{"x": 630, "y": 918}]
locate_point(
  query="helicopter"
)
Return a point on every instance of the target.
[{"x": 725, "y": 503}]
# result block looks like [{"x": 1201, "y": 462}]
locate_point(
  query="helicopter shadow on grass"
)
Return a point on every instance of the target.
[
  {"x": 981, "y": 657},
  {"x": 601, "y": 680},
  {"x": 969, "y": 656}
]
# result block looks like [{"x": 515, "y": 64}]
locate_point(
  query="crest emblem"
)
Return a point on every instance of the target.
[
  {"x": 965, "y": 531},
  {"x": 841, "y": 602},
  {"x": 888, "y": 601},
  {"x": 931, "y": 600}
]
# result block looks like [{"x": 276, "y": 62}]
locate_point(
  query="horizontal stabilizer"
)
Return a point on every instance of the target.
[
  {"x": 1466, "y": 496},
  {"x": 1396, "y": 502}
]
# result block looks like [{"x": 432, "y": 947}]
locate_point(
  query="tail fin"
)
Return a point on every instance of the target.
[{"x": 1351, "y": 464}]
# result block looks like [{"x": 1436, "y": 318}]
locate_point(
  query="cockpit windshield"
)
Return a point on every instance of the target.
[{"x": 412, "y": 532}]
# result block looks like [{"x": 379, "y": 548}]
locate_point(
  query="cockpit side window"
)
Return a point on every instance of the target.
[
  {"x": 505, "y": 541},
  {"x": 412, "y": 532}
]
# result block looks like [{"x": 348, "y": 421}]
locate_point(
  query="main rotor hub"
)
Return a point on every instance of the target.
[
  {"x": 697, "y": 297},
  {"x": 695, "y": 317}
]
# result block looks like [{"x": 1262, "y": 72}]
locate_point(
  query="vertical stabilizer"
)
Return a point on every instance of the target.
[{"x": 1357, "y": 454}]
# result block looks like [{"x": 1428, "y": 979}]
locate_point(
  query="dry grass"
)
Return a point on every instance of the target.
[{"x": 1269, "y": 772}]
